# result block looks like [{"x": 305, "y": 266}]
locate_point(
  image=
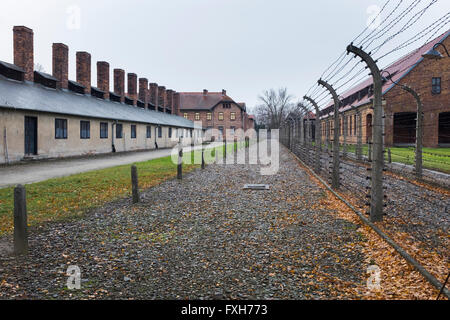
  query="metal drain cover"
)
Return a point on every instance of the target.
[{"x": 256, "y": 187}]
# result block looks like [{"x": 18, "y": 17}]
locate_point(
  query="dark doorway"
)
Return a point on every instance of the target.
[
  {"x": 405, "y": 128},
  {"x": 369, "y": 128},
  {"x": 30, "y": 135},
  {"x": 444, "y": 128}
]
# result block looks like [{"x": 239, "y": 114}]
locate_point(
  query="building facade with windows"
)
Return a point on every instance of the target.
[
  {"x": 215, "y": 110},
  {"x": 49, "y": 116},
  {"x": 429, "y": 78}
]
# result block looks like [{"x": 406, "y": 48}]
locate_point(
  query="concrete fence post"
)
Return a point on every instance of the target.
[
  {"x": 359, "y": 136},
  {"x": 318, "y": 135},
  {"x": 377, "y": 193},
  {"x": 419, "y": 132},
  {"x": 335, "y": 183},
  {"x": 20, "y": 221},
  {"x": 389, "y": 155},
  {"x": 344, "y": 151},
  {"x": 134, "y": 184}
]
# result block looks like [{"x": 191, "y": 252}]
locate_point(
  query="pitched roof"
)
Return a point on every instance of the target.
[
  {"x": 398, "y": 69},
  {"x": 201, "y": 101},
  {"x": 31, "y": 96}
]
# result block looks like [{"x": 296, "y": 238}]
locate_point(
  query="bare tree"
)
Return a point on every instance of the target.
[{"x": 274, "y": 108}]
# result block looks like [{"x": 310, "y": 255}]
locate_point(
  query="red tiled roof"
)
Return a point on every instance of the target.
[
  {"x": 397, "y": 69},
  {"x": 200, "y": 101}
]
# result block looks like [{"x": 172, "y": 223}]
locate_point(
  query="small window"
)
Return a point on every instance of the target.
[
  {"x": 209, "y": 116},
  {"x": 103, "y": 130},
  {"x": 436, "y": 86},
  {"x": 60, "y": 128},
  {"x": 197, "y": 116},
  {"x": 149, "y": 132},
  {"x": 85, "y": 130},
  {"x": 185, "y": 115},
  {"x": 133, "y": 131},
  {"x": 220, "y": 115},
  {"x": 119, "y": 131},
  {"x": 170, "y": 132},
  {"x": 233, "y": 116},
  {"x": 159, "y": 132}
]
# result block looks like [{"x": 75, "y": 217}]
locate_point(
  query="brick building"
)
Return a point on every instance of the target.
[
  {"x": 430, "y": 78},
  {"x": 49, "y": 116},
  {"x": 216, "y": 110}
]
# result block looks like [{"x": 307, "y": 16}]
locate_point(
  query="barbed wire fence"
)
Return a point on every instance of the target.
[{"x": 412, "y": 213}]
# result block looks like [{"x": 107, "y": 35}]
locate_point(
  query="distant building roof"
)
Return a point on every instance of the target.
[
  {"x": 398, "y": 69},
  {"x": 202, "y": 101},
  {"x": 35, "y": 97}
]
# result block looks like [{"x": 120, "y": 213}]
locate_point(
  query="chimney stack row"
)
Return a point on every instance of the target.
[{"x": 148, "y": 93}]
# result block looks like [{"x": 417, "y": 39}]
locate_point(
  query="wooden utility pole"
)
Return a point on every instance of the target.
[
  {"x": 134, "y": 184},
  {"x": 20, "y": 221}
]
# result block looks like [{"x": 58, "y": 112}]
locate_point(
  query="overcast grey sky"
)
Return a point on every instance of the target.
[{"x": 243, "y": 46}]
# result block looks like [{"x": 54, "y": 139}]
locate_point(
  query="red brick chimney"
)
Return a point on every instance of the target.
[
  {"x": 119, "y": 83},
  {"x": 24, "y": 50},
  {"x": 162, "y": 97},
  {"x": 169, "y": 100},
  {"x": 103, "y": 77},
  {"x": 205, "y": 92},
  {"x": 143, "y": 90},
  {"x": 176, "y": 103},
  {"x": 154, "y": 94},
  {"x": 224, "y": 92},
  {"x": 84, "y": 70},
  {"x": 132, "y": 87},
  {"x": 61, "y": 64}
]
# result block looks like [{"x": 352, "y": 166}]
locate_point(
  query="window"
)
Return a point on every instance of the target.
[
  {"x": 185, "y": 115},
  {"x": 197, "y": 116},
  {"x": 170, "y": 132},
  {"x": 232, "y": 130},
  {"x": 209, "y": 116},
  {"x": 436, "y": 86},
  {"x": 60, "y": 128},
  {"x": 227, "y": 105},
  {"x": 233, "y": 116},
  {"x": 133, "y": 131},
  {"x": 159, "y": 132},
  {"x": 354, "y": 127},
  {"x": 119, "y": 131},
  {"x": 85, "y": 130},
  {"x": 220, "y": 115},
  {"x": 103, "y": 130},
  {"x": 149, "y": 132}
]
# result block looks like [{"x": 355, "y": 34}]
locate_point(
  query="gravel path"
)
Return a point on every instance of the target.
[{"x": 202, "y": 238}]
